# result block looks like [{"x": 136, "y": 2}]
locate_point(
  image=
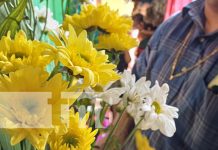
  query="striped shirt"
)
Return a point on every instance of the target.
[{"x": 197, "y": 125}]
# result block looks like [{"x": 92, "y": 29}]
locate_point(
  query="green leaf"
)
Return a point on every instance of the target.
[
  {"x": 5, "y": 141},
  {"x": 84, "y": 102},
  {"x": 12, "y": 22},
  {"x": 3, "y": 14},
  {"x": 26, "y": 145},
  {"x": 103, "y": 112},
  {"x": 113, "y": 56}
]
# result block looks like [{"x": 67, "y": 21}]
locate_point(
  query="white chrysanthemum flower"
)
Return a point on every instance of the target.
[
  {"x": 136, "y": 93},
  {"x": 51, "y": 24},
  {"x": 160, "y": 116}
]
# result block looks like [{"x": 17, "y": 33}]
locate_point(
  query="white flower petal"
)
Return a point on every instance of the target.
[
  {"x": 145, "y": 107},
  {"x": 171, "y": 111},
  {"x": 112, "y": 96},
  {"x": 149, "y": 122},
  {"x": 165, "y": 88},
  {"x": 167, "y": 125},
  {"x": 127, "y": 79}
]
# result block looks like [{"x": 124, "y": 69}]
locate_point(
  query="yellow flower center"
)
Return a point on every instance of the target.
[
  {"x": 70, "y": 140},
  {"x": 157, "y": 107}
]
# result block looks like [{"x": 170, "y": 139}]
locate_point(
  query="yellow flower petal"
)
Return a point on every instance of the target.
[
  {"x": 17, "y": 137},
  {"x": 118, "y": 42},
  {"x": 142, "y": 142}
]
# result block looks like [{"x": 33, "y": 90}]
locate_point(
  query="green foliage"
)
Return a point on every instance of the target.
[
  {"x": 73, "y": 6},
  {"x": 113, "y": 56},
  {"x": 12, "y": 21},
  {"x": 5, "y": 142}
]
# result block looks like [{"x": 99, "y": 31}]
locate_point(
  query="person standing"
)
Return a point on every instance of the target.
[{"x": 183, "y": 52}]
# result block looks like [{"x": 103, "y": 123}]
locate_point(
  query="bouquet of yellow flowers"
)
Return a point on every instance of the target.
[{"x": 57, "y": 93}]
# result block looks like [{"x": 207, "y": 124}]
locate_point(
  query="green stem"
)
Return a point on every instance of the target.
[
  {"x": 132, "y": 133},
  {"x": 46, "y": 16},
  {"x": 67, "y": 7},
  {"x": 34, "y": 19},
  {"x": 28, "y": 13},
  {"x": 114, "y": 128},
  {"x": 92, "y": 121},
  {"x": 103, "y": 112}
]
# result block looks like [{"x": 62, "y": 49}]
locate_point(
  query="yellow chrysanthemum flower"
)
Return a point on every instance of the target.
[
  {"x": 77, "y": 136},
  {"x": 19, "y": 52},
  {"x": 78, "y": 54},
  {"x": 27, "y": 117},
  {"x": 100, "y": 16},
  {"x": 113, "y": 28},
  {"x": 142, "y": 142},
  {"x": 119, "y": 42}
]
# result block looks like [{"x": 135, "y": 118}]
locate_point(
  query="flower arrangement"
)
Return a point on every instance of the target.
[{"x": 58, "y": 91}]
